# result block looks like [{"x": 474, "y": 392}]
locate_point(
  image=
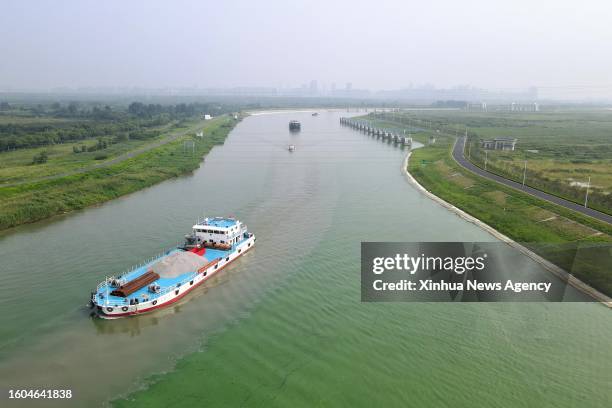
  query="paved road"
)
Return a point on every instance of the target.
[
  {"x": 458, "y": 150},
  {"x": 122, "y": 157}
]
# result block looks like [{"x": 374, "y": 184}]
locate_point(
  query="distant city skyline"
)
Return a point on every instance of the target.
[
  {"x": 312, "y": 88},
  {"x": 552, "y": 45},
  {"x": 461, "y": 92}
]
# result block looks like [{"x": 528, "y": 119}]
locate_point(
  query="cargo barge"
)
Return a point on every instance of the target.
[
  {"x": 212, "y": 245},
  {"x": 295, "y": 126}
]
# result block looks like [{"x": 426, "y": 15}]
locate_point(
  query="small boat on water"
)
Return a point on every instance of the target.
[
  {"x": 294, "y": 125},
  {"x": 315, "y": 114},
  {"x": 212, "y": 245},
  {"x": 291, "y": 148}
]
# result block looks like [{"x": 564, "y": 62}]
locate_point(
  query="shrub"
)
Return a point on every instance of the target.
[{"x": 40, "y": 158}]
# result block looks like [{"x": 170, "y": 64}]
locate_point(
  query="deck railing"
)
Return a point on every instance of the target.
[
  {"x": 155, "y": 295},
  {"x": 114, "y": 302},
  {"x": 138, "y": 266}
]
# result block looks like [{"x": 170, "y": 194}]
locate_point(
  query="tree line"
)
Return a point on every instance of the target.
[
  {"x": 16, "y": 136},
  {"x": 92, "y": 121}
]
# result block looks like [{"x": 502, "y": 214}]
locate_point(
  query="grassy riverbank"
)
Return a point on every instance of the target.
[
  {"x": 521, "y": 217},
  {"x": 568, "y": 239},
  {"x": 560, "y": 151},
  {"x": 16, "y": 166},
  {"x": 35, "y": 201}
]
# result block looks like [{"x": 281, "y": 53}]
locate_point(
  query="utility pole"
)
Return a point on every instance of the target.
[
  {"x": 524, "y": 173},
  {"x": 586, "y": 197},
  {"x": 486, "y": 159}
]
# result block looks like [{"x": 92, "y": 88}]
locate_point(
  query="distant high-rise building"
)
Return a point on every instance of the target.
[
  {"x": 349, "y": 86},
  {"x": 313, "y": 87},
  {"x": 533, "y": 92}
]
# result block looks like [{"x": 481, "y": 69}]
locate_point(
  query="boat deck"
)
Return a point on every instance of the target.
[
  {"x": 104, "y": 298},
  {"x": 219, "y": 222}
]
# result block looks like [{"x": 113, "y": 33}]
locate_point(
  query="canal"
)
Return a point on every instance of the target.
[{"x": 284, "y": 325}]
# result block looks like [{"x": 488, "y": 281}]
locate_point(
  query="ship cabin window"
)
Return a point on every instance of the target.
[{"x": 223, "y": 242}]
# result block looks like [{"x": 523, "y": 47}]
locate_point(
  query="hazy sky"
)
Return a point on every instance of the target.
[{"x": 373, "y": 44}]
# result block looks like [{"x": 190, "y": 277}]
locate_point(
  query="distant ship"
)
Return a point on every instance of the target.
[
  {"x": 213, "y": 244},
  {"x": 315, "y": 114},
  {"x": 295, "y": 125},
  {"x": 291, "y": 148}
]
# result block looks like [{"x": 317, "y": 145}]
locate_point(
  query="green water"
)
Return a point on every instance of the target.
[{"x": 284, "y": 326}]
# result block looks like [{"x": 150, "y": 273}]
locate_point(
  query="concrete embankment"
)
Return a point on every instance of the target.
[{"x": 557, "y": 271}]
